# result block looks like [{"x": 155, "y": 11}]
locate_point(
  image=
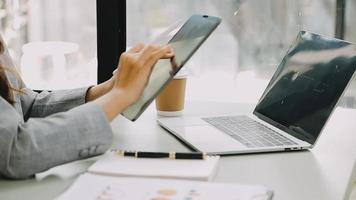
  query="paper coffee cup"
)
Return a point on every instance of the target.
[{"x": 170, "y": 102}]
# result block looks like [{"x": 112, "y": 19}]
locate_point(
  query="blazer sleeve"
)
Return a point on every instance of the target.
[
  {"x": 35, "y": 145},
  {"x": 45, "y": 103}
]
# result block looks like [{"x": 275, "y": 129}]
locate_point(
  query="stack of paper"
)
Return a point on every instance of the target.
[
  {"x": 95, "y": 187},
  {"x": 114, "y": 177}
]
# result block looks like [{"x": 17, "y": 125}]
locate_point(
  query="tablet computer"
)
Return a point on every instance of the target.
[{"x": 185, "y": 43}]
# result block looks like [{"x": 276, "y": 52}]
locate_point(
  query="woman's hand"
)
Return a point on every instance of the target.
[
  {"x": 135, "y": 67},
  {"x": 128, "y": 83},
  {"x": 99, "y": 90}
]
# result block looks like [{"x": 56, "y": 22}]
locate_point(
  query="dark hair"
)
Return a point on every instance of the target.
[{"x": 5, "y": 88}]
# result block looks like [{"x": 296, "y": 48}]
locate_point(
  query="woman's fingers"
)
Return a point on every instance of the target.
[
  {"x": 137, "y": 48},
  {"x": 147, "y": 52},
  {"x": 151, "y": 51},
  {"x": 164, "y": 52},
  {"x": 169, "y": 52},
  {"x": 142, "y": 56},
  {"x": 135, "y": 66}
]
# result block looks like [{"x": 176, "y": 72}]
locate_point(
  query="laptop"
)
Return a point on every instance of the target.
[{"x": 293, "y": 109}]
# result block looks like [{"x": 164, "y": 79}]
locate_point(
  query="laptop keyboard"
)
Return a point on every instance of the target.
[{"x": 248, "y": 131}]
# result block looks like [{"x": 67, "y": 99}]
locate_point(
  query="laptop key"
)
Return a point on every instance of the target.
[{"x": 248, "y": 132}]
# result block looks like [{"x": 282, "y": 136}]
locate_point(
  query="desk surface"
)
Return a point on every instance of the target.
[{"x": 325, "y": 172}]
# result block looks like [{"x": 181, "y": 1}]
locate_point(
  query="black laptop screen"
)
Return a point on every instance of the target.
[{"x": 307, "y": 85}]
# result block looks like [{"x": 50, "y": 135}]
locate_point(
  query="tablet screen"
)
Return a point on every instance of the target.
[{"x": 185, "y": 42}]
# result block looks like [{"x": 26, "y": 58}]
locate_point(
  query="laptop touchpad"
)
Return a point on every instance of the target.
[{"x": 207, "y": 138}]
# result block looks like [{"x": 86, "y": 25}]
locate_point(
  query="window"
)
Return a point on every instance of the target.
[
  {"x": 239, "y": 58},
  {"x": 350, "y": 15},
  {"x": 72, "y": 61},
  {"x": 244, "y": 51},
  {"x": 14, "y": 24},
  {"x": 59, "y": 38},
  {"x": 349, "y": 99}
]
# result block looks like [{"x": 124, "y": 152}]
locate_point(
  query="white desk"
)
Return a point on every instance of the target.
[{"x": 326, "y": 172}]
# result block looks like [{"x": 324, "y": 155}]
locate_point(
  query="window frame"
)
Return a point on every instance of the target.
[
  {"x": 340, "y": 19},
  {"x": 111, "y": 35}
]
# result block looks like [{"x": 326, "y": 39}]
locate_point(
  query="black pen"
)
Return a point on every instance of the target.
[{"x": 171, "y": 155}]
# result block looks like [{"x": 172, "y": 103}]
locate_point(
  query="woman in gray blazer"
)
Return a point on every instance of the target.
[{"x": 42, "y": 130}]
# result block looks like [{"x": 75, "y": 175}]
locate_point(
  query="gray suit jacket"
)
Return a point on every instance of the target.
[{"x": 42, "y": 130}]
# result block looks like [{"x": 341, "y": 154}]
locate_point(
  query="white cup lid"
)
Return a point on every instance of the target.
[{"x": 170, "y": 113}]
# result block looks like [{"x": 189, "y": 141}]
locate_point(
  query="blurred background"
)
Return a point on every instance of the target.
[{"x": 54, "y": 42}]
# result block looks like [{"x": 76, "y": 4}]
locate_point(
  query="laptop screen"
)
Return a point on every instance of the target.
[{"x": 307, "y": 85}]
